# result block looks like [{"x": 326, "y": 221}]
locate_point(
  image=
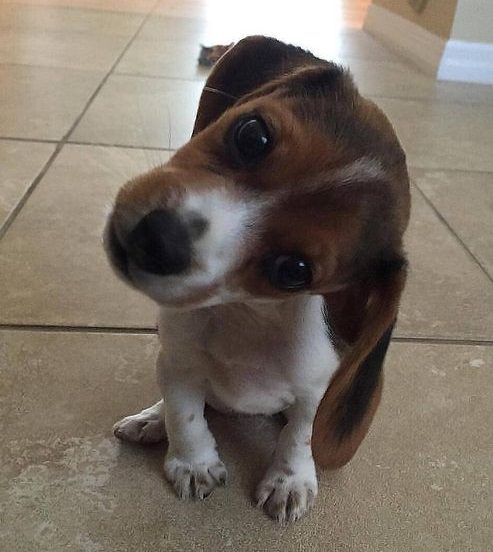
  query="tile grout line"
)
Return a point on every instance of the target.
[
  {"x": 161, "y": 77},
  {"x": 123, "y": 146},
  {"x": 346, "y": 62},
  {"x": 453, "y": 232},
  {"x": 160, "y": 148},
  {"x": 428, "y": 100},
  {"x": 30, "y": 189},
  {"x": 82, "y": 143},
  {"x": 29, "y": 140},
  {"x": 422, "y": 99},
  {"x": 382, "y": 96},
  {"x": 27, "y": 194},
  {"x": 108, "y": 74},
  {"x": 440, "y": 340},
  {"x": 54, "y": 328},
  {"x": 442, "y": 169}
]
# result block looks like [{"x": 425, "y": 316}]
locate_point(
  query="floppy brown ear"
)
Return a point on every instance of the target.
[
  {"x": 362, "y": 317},
  {"x": 248, "y": 65}
]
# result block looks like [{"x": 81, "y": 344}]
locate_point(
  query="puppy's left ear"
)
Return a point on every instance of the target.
[
  {"x": 248, "y": 65},
  {"x": 362, "y": 317}
]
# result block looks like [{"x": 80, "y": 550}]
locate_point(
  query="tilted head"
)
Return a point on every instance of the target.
[{"x": 292, "y": 183}]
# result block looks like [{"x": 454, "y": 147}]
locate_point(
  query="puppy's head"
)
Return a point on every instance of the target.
[{"x": 292, "y": 183}]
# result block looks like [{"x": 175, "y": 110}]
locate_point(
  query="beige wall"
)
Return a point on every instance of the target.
[
  {"x": 437, "y": 17},
  {"x": 473, "y": 21}
]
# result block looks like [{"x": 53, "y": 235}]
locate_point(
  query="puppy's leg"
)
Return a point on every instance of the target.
[
  {"x": 289, "y": 487},
  {"x": 145, "y": 427},
  {"x": 192, "y": 464}
]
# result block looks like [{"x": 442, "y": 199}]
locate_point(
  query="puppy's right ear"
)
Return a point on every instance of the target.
[
  {"x": 363, "y": 316},
  {"x": 251, "y": 63}
]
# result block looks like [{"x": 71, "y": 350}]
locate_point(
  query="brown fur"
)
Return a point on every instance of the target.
[{"x": 377, "y": 312}]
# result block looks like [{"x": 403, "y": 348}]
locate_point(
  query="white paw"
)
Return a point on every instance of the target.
[
  {"x": 140, "y": 429},
  {"x": 194, "y": 480},
  {"x": 286, "y": 495}
]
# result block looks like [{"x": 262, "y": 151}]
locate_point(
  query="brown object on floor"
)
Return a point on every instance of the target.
[{"x": 210, "y": 54}]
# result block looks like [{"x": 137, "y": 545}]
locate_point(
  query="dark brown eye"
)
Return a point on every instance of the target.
[
  {"x": 288, "y": 272},
  {"x": 249, "y": 140}
]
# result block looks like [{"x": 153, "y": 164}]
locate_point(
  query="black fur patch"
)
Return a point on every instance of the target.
[
  {"x": 375, "y": 266},
  {"x": 357, "y": 399},
  {"x": 390, "y": 265}
]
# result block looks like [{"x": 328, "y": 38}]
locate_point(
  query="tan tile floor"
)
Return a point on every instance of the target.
[{"x": 92, "y": 92}]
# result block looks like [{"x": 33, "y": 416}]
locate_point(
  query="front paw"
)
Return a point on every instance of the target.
[
  {"x": 140, "y": 429},
  {"x": 194, "y": 480},
  {"x": 287, "y": 495}
]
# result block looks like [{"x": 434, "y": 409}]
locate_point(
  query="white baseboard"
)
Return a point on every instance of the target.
[
  {"x": 453, "y": 60},
  {"x": 418, "y": 45},
  {"x": 467, "y": 62}
]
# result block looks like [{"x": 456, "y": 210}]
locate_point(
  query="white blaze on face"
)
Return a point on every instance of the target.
[
  {"x": 229, "y": 221},
  {"x": 364, "y": 168}
]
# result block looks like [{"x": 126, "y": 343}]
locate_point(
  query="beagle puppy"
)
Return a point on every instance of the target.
[{"x": 272, "y": 243}]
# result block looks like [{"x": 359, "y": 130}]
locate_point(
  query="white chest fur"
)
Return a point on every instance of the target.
[{"x": 255, "y": 358}]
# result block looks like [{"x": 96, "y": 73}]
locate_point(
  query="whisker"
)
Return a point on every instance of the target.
[{"x": 169, "y": 126}]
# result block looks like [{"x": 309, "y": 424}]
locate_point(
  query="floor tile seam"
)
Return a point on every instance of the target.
[
  {"x": 103, "y": 81},
  {"x": 29, "y": 191},
  {"x": 85, "y": 9},
  {"x": 54, "y": 67},
  {"x": 429, "y": 100},
  {"x": 421, "y": 99},
  {"x": 159, "y": 148},
  {"x": 149, "y": 330},
  {"x": 451, "y": 170},
  {"x": 452, "y": 231},
  {"x": 35, "y": 182},
  {"x": 433, "y": 340},
  {"x": 122, "y": 146},
  {"x": 53, "y": 328},
  {"x": 81, "y": 143},
  {"x": 29, "y": 140}
]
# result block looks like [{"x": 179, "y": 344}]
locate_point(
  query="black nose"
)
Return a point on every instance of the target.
[{"x": 160, "y": 244}]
